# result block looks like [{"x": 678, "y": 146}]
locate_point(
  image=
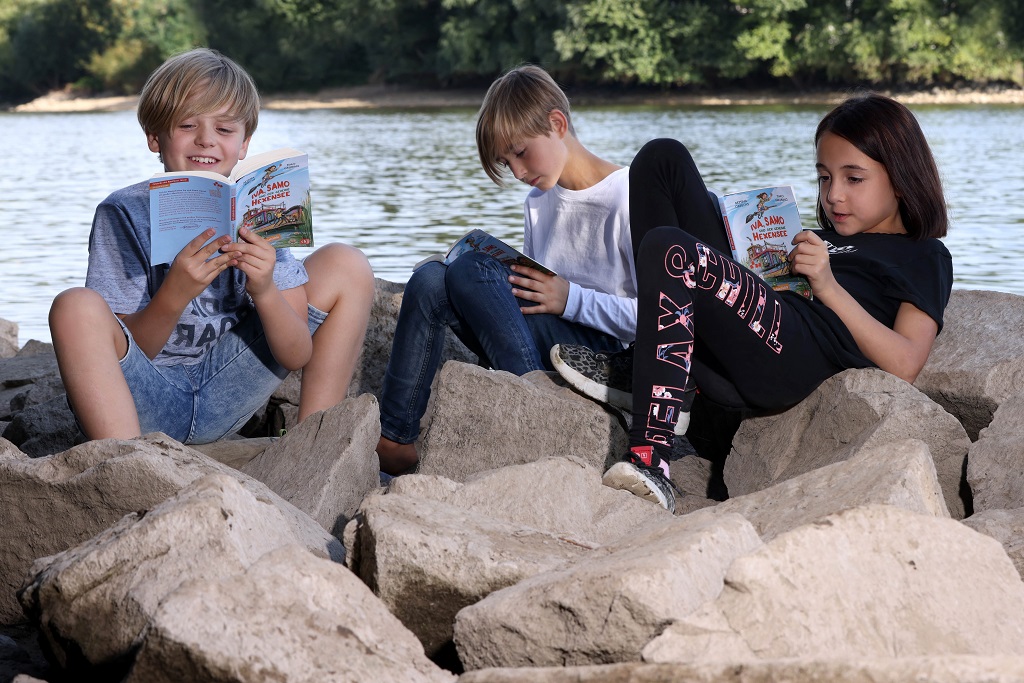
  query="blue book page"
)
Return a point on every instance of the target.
[{"x": 182, "y": 207}]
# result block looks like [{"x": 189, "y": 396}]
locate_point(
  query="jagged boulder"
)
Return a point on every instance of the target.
[
  {"x": 853, "y": 410},
  {"x": 875, "y": 581},
  {"x": 485, "y": 419},
  {"x": 994, "y": 460},
  {"x": 52, "y": 503},
  {"x": 326, "y": 465},
  {"x": 976, "y": 363}
]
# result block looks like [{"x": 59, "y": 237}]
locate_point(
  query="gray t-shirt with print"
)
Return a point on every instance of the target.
[{"x": 120, "y": 270}]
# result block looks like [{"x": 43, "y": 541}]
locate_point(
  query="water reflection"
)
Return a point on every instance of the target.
[{"x": 401, "y": 185}]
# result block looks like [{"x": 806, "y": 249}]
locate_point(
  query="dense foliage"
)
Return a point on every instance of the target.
[{"x": 111, "y": 45}]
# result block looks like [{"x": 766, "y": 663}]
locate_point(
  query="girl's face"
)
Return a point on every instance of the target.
[{"x": 854, "y": 189}]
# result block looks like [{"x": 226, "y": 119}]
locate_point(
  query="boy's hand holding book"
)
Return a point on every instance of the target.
[{"x": 549, "y": 292}]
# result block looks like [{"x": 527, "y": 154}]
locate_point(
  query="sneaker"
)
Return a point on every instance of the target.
[
  {"x": 641, "y": 476},
  {"x": 604, "y": 377}
]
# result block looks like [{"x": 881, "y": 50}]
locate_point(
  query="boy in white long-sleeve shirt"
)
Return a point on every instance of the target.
[{"x": 576, "y": 223}]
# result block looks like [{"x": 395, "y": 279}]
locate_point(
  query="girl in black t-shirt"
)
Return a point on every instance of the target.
[{"x": 880, "y": 277}]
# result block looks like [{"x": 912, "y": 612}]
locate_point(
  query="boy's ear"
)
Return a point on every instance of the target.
[
  {"x": 559, "y": 124},
  {"x": 244, "y": 149},
  {"x": 153, "y": 140}
]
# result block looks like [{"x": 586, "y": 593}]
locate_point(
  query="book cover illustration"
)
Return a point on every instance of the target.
[
  {"x": 761, "y": 225},
  {"x": 482, "y": 241},
  {"x": 268, "y": 194},
  {"x": 274, "y": 202}
]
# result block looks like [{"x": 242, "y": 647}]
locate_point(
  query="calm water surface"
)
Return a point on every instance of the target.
[{"x": 402, "y": 185}]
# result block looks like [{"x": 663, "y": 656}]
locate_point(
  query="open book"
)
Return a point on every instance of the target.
[
  {"x": 479, "y": 240},
  {"x": 267, "y": 193},
  {"x": 761, "y": 225}
]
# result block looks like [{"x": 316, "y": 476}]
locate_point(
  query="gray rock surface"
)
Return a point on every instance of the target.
[
  {"x": 607, "y": 606},
  {"x": 8, "y": 338},
  {"x": 1007, "y": 527},
  {"x": 326, "y": 465},
  {"x": 850, "y": 411},
  {"x": 976, "y": 364},
  {"x": 901, "y": 473},
  {"x": 994, "y": 461},
  {"x": 484, "y": 419},
  {"x": 211, "y": 529},
  {"x": 52, "y": 503},
  {"x": 860, "y": 583}
]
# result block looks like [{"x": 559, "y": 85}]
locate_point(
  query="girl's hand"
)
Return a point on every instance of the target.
[
  {"x": 550, "y": 292},
  {"x": 193, "y": 270},
  {"x": 256, "y": 258},
  {"x": 810, "y": 259}
]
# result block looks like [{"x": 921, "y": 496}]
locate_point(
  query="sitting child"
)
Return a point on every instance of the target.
[
  {"x": 881, "y": 280},
  {"x": 195, "y": 348},
  {"x": 577, "y": 224}
]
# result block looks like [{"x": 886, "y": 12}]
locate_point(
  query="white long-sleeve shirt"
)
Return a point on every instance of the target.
[{"x": 583, "y": 235}]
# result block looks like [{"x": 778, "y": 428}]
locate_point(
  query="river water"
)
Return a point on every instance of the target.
[{"x": 404, "y": 184}]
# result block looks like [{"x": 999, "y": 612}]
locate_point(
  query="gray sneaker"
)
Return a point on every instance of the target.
[
  {"x": 646, "y": 481},
  {"x": 604, "y": 377}
]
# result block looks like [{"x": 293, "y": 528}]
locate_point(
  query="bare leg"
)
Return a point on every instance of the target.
[
  {"x": 396, "y": 458},
  {"x": 89, "y": 345},
  {"x": 341, "y": 284}
]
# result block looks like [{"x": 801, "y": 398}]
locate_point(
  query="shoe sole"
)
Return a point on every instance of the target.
[
  {"x": 625, "y": 477},
  {"x": 599, "y": 392}
]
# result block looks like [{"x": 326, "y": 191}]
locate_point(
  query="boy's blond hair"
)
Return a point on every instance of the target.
[
  {"x": 516, "y": 107},
  {"x": 200, "y": 81}
]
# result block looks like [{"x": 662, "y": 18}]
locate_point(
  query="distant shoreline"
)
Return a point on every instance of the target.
[{"x": 400, "y": 97}]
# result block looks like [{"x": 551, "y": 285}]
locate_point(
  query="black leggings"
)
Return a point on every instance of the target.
[{"x": 703, "y": 320}]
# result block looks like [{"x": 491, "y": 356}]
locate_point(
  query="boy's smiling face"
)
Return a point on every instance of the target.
[{"x": 204, "y": 142}]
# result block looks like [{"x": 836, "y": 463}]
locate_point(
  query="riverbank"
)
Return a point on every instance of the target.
[{"x": 401, "y": 97}]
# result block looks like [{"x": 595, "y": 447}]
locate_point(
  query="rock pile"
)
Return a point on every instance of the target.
[{"x": 874, "y": 532}]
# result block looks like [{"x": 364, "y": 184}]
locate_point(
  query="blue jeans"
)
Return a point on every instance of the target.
[
  {"x": 205, "y": 401},
  {"x": 473, "y": 297}
]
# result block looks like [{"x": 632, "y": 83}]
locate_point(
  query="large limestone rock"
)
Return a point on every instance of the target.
[
  {"x": 484, "y": 419},
  {"x": 943, "y": 669},
  {"x": 325, "y": 465},
  {"x": 976, "y": 363},
  {"x": 853, "y": 410},
  {"x": 8, "y": 338},
  {"x": 387, "y": 301},
  {"x": 900, "y": 474},
  {"x": 52, "y": 503},
  {"x": 876, "y": 581},
  {"x": 1007, "y": 527},
  {"x": 560, "y": 496},
  {"x": 211, "y": 529},
  {"x": 312, "y": 621},
  {"x": 427, "y": 560},
  {"x": 994, "y": 461},
  {"x": 606, "y": 607}
]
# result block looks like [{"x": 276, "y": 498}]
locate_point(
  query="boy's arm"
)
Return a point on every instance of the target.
[
  {"x": 283, "y": 313},
  {"x": 190, "y": 273}
]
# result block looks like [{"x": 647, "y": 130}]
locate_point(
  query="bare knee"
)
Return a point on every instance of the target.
[
  {"x": 337, "y": 269},
  {"x": 79, "y": 314}
]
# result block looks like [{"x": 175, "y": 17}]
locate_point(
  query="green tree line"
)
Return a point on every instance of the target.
[{"x": 111, "y": 45}]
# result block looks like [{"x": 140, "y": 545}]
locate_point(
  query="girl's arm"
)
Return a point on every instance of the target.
[
  {"x": 283, "y": 313},
  {"x": 902, "y": 350}
]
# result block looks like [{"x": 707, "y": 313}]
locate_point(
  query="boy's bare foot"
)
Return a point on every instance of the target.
[{"x": 396, "y": 458}]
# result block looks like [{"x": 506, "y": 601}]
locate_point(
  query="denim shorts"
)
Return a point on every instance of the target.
[{"x": 208, "y": 400}]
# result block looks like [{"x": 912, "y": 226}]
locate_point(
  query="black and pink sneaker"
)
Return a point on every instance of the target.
[{"x": 640, "y": 473}]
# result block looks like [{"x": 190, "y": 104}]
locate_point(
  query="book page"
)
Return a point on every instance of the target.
[
  {"x": 479, "y": 240},
  {"x": 273, "y": 201},
  {"x": 180, "y": 208}
]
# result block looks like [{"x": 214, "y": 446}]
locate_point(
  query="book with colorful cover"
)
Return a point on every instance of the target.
[
  {"x": 482, "y": 241},
  {"x": 267, "y": 193},
  {"x": 761, "y": 225}
]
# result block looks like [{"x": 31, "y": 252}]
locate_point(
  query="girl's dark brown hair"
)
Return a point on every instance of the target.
[{"x": 887, "y": 131}]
